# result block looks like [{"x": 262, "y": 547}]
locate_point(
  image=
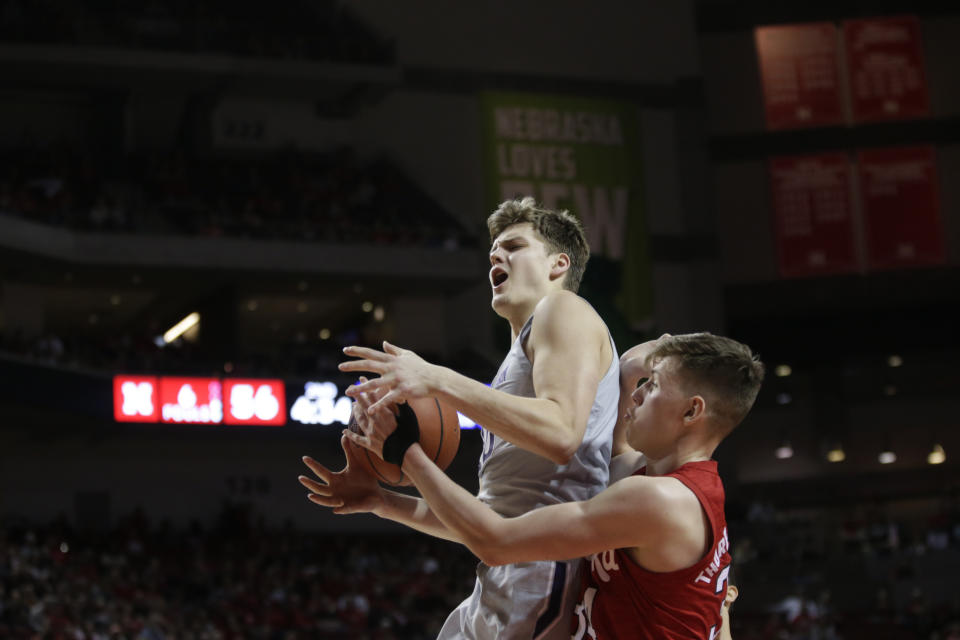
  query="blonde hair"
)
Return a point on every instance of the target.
[{"x": 725, "y": 370}]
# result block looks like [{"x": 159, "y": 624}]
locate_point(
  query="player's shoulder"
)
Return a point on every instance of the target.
[
  {"x": 673, "y": 525},
  {"x": 566, "y": 306},
  {"x": 662, "y": 498}
]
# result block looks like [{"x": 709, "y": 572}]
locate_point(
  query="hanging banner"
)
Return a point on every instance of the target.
[
  {"x": 799, "y": 70},
  {"x": 885, "y": 69},
  {"x": 813, "y": 214},
  {"x": 582, "y": 155},
  {"x": 901, "y": 207}
]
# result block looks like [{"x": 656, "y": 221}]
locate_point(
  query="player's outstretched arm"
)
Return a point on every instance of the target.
[
  {"x": 638, "y": 512},
  {"x": 569, "y": 347},
  {"x": 354, "y": 490},
  {"x": 351, "y": 490}
]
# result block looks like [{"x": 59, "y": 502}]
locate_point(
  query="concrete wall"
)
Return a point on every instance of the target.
[{"x": 741, "y": 186}]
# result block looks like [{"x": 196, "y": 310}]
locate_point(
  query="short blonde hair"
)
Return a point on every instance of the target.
[{"x": 725, "y": 370}]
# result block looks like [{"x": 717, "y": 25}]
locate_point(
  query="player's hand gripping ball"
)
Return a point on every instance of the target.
[{"x": 439, "y": 438}]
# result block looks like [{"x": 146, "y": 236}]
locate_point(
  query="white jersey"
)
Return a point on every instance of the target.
[{"x": 534, "y": 599}]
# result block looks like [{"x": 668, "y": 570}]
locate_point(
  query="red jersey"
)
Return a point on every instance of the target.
[{"x": 620, "y": 599}]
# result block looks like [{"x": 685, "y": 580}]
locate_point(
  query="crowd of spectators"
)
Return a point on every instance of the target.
[
  {"x": 235, "y": 579},
  {"x": 239, "y": 578},
  {"x": 330, "y": 197},
  {"x": 880, "y": 530},
  {"x": 881, "y": 571},
  {"x": 323, "y": 30}
]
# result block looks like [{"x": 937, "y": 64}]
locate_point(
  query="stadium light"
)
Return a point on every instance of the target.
[
  {"x": 181, "y": 327},
  {"x": 887, "y": 457},
  {"x": 937, "y": 455},
  {"x": 784, "y": 451},
  {"x": 836, "y": 454}
]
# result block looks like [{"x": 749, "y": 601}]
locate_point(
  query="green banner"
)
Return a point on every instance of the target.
[{"x": 583, "y": 155}]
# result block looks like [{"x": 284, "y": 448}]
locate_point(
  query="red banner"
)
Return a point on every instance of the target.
[
  {"x": 885, "y": 67},
  {"x": 135, "y": 399},
  {"x": 901, "y": 207},
  {"x": 261, "y": 402},
  {"x": 812, "y": 214},
  {"x": 799, "y": 69},
  {"x": 191, "y": 400}
]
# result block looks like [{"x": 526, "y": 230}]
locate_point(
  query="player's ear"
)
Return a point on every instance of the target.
[
  {"x": 696, "y": 409},
  {"x": 732, "y": 594},
  {"x": 561, "y": 263}
]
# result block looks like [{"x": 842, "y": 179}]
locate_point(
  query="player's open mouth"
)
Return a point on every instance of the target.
[{"x": 498, "y": 276}]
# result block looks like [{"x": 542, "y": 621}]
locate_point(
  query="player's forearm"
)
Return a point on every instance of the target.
[
  {"x": 625, "y": 463},
  {"x": 620, "y": 444},
  {"x": 633, "y": 368},
  {"x": 471, "y": 521},
  {"x": 538, "y": 425},
  {"x": 414, "y": 513}
]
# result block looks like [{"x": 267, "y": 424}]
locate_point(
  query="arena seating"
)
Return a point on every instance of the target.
[
  {"x": 324, "y": 31},
  {"x": 293, "y": 195}
]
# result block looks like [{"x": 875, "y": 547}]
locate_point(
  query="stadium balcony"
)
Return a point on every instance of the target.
[
  {"x": 304, "y": 50},
  {"x": 283, "y": 212},
  {"x": 325, "y": 30},
  {"x": 280, "y": 252}
]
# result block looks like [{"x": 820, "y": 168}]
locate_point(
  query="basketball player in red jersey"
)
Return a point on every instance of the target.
[{"x": 656, "y": 540}]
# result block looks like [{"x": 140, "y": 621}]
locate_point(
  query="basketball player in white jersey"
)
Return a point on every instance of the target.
[
  {"x": 547, "y": 419},
  {"x": 657, "y": 540}
]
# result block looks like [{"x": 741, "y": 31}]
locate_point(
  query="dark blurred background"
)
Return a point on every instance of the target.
[{"x": 307, "y": 175}]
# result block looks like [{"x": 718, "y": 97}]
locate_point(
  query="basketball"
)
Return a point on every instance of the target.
[{"x": 439, "y": 438}]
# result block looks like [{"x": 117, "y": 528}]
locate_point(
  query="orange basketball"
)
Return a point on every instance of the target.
[{"x": 439, "y": 437}]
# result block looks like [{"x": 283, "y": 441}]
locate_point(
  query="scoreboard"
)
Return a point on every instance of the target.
[{"x": 231, "y": 401}]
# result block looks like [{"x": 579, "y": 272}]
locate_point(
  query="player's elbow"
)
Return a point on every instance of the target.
[
  {"x": 492, "y": 554},
  {"x": 486, "y": 541},
  {"x": 563, "y": 447},
  {"x": 563, "y": 456}
]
